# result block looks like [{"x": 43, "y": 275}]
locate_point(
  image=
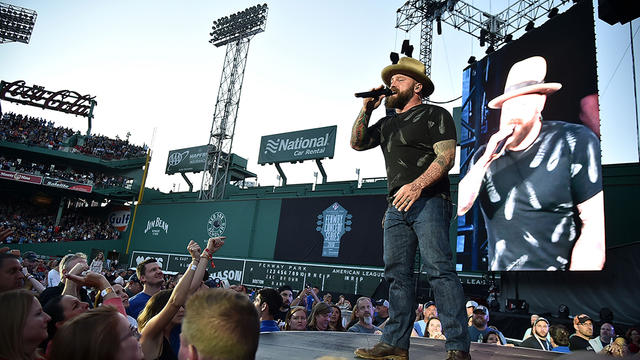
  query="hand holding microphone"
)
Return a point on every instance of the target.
[{"x": 373, "y": 98}]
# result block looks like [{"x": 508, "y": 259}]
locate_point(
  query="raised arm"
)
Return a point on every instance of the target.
[
  {"x": 361, "y": 138},
  {"x": 445, "y": 157},
  {"x": 469, "y": 186},
  {"x": 70, "y": 287},
  {"x": 151, "y": 334},
  {"x": 589, "y": 250},
  {"x": 213, "y": 245}
]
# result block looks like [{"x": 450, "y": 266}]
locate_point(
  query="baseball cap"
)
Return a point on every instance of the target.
[
  {"x": 134, "y": 278},
  {"x": 481, "y": 308},
  {"x": 29, "y": 255},
  {"x": 472, "y": 304},
  {"x": 581, "y": 319},
  {"x": 429, "y": 303},
  {"x": 382, "y": 302},
  {"x": 541, "y": 319}
]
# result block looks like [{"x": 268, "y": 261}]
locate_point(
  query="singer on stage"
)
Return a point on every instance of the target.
[{"x": 418, "y": 144}]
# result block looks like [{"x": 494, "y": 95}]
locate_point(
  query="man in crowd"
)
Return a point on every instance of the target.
[
  {"x": 548, "y": 170},
  {"x": 68, "y": 263},
  {"x": 11, "y": 276},
  {"x": 559, "y": 338},
  {"x": 268, "y": 303},
  {"x": 287, "y": 297},
  {"x": 382, "y": 312},
  {"x": 429, "y": 310},
  {"x": 479, "y": 326},
  {"x": 471, "y": 305},
  {"x": 418, "y": 143},
  {"x": 538, "y": 339},
  {"x": 527, "y": 333},
  {"x": 133, "y": 286},
  {"x": 152, "y": 278},
  {"x": 607, "y": 335},
  {"x": 219, "y": 324},
  {"x": 584, "y": 330},
  {"x": 364, "y": 313}
]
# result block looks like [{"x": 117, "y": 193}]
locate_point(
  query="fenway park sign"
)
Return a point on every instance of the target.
[{"x": 66, "y": 101}]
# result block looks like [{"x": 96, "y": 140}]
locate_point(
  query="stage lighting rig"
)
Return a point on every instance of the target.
[
  {"x": 243, "y": 24},
  {"x": 16, "y": 23},
  {"x": 235, "y": 31}
]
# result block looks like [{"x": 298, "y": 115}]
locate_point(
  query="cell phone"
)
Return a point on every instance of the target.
[{"x": 15, "y": 252}]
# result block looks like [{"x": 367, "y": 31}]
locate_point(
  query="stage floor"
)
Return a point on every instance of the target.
[{"x": 311, "y": 345}]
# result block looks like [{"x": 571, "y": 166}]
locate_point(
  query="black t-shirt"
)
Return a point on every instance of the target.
[
  {"x": 577, "y": 343},
  {"x": 529, "y": 197},
  {"x": 281, "y": 315},
  {"x": 407, "y": 142}
]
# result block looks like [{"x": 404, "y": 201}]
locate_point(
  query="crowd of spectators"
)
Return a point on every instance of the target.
[
  {"x": 110, "y": 311},
  {"x": 41, "y": 168},
  {"x": 33, "y": 224},
  {"x": 33, "y": 131}
]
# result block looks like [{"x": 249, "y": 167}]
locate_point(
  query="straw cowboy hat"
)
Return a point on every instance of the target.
[
  {"x": 526, "y": 77},
  {"x": 412, "y": 68}
]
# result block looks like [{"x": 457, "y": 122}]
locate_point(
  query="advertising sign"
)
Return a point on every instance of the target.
[
  {"x": 119, "y": 218},
  {"x": 68, "y": 185},
  {"x": 300, "y": 145},
  {"x": 16, "y": 176},
  {"x": 187, "y": 160}
]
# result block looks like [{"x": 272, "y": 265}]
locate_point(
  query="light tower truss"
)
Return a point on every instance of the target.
[
  {"x": 234, "y": 31},
  {"x": 16, "y": 23},
  {"x": 496, "y": 30}
]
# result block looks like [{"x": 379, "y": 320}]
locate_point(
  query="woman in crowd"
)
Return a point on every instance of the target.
[
  {"x": 319, "y": 320},
  {"x": 296, "y": 319},
  {"x": 433, "y": 329},
  {"x": 335, "y": 321},
  {"x": 99, "y": 334},
  {"x": 96, "y": 264},
  {"x": 119, "y": 290},
  {"x": 165, "y": 310},
  {"x": 633, "y": 338},
  {"x": 23, "y": 327},
  {"x": 492, "y": 337}
]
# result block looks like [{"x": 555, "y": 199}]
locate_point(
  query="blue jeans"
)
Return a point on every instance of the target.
[{"x": 426, "y": 225}]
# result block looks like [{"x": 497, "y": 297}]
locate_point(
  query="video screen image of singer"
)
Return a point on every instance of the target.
[{"x": 530, "y": 193}]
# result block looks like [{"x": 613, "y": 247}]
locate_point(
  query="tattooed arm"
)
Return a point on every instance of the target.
[
  {"x": 361, "y": 139},
  {"x": 445, "y": 157}
]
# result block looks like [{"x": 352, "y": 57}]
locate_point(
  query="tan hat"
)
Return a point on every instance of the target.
[
  {"x": 526, "y": 77},
  {"x": 412, "y": 68}
]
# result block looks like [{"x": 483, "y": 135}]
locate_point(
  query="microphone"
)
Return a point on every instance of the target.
[
  {"x": 501, "y": 144},
  {"x": 374, "y": 93}
]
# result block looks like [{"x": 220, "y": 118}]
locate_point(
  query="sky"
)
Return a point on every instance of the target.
[{"x": 155, "y": 75}]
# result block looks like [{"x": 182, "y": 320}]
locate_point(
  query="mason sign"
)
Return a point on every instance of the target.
[{"x": 300, "y": 145}]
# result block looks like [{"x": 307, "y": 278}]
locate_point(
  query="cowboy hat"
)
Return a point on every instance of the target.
[
  {"x": 412, "y": 68},
  {"x": 526, "y": 77}
]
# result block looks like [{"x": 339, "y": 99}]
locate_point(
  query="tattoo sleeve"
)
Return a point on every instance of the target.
[
  {"x": 360, "y": 139},
  {"x": 445, "y": 157}
]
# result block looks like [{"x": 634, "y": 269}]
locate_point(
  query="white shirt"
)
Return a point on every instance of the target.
[{"x": 53, "y": 278}]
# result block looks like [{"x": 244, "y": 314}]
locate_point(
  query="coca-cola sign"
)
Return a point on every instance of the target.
[{"x": 66, "y": 101}]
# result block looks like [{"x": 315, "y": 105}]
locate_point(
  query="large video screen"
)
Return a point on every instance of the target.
[{"x": 530, "y": 194}]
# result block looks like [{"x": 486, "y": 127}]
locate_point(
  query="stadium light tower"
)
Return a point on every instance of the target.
[
  {"x": 235, "y": 31},
  {"x": 16, "y": 23}
]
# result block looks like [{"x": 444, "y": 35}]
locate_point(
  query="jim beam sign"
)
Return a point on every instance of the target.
[
  {"x": 65, "y": 101},
  {"x": 295, "y": 146}
]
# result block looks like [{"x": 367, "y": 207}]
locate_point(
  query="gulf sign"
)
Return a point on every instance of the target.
[{"x": 119, "y": 218}]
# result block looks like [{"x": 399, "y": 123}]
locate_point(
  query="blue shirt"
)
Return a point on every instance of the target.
[
  {"x": 476, "y": 335},
  {"x": 561, "y": 349},
  {"x": 137, "y": 304},
  {"x": 419, "y": 327},
  {"x": 268, "y": 326}
]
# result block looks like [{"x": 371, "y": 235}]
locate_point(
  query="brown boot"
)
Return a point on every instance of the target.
[
  {"x": 458, "y": 355},
  {"x": 383, "y": 351}
]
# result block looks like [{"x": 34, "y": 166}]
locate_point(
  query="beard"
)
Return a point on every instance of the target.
[
  {"x": 398, "y": 100},
  {"x": 367, "y": 320},
  {"x": 478, "y": 322}
]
